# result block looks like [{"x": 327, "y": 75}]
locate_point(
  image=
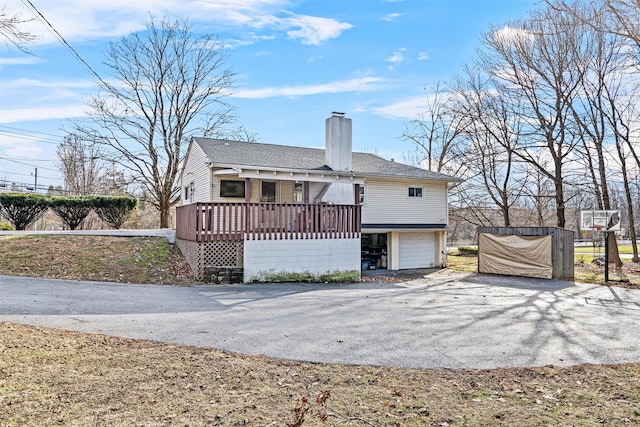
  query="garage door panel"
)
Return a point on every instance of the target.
[{"x": 417, "y": 250}]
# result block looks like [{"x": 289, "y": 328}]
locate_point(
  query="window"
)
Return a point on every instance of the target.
[
  {"x": 298, "y": 192},
  {"x": 415, "y": 192},
  {"x": 362, "y": 197},
  {"x": 188, "y": 192},
  {"x": 268, "y": 191},
  {"x": 232, "y": 189}
]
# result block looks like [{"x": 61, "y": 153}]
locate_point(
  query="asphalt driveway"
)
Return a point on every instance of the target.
[{"x": 445, "y": 319}]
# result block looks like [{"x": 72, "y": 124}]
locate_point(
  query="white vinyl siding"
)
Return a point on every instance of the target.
[
  {"x": 417, "y": 250},
  {"x": 286, "y": 191},
  {"x": 196, "y": 171},
  {"x": 387, "y": 203}
]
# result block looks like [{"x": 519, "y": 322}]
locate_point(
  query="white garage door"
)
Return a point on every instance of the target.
[{"x": 417, "y": 250}]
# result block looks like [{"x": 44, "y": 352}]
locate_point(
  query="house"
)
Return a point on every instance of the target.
[{"x": 272, "y": 212}]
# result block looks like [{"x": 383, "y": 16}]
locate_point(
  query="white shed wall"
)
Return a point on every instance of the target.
[{"x": 314, "y": 256}]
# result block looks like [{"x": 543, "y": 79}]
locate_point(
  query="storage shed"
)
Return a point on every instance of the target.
[{"x": 545, "y": 252}]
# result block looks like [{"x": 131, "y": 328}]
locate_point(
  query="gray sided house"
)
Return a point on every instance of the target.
[{"x": 271, "y": 212}]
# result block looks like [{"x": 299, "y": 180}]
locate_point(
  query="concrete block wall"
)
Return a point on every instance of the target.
[{"x": 267, "y": 258}]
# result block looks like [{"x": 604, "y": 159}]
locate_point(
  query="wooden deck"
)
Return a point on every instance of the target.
[{"x": 204, "y": 222}]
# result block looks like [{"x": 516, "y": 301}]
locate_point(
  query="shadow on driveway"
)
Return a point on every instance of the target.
[{"x": 528, "y": 283}]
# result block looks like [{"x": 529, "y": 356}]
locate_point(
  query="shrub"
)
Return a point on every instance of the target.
[
  {"x": 22, "y": 210},
  {"x": 72, "y": 210},
  {"x": 114, "y": 210}
]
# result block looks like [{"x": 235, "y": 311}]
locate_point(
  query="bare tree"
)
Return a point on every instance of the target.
[
  {"x": 621, "y": 17},
  {"x": 493, "y": 133},
  {"x": 623, "y": 114},
  {"x": 12, "y": 34},
  {"x": 539, "y": 193},
  {"x": 533, "y": 61},
  {"x": 596, "y": 110},
  {"x": 166, "y": 82},
  {"x": 82, "y": 166},
  {"x": 435, "y": 131}
]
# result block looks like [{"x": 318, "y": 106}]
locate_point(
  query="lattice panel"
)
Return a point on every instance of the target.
[
  {"x": 222, "y": 254},
  {"x": 217, "y": 254}
]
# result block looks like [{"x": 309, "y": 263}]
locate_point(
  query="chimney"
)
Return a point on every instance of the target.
[{"x": 338, "y": 142}]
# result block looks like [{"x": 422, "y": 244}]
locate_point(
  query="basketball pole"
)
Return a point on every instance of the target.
[{"x": 606, "y": 255}]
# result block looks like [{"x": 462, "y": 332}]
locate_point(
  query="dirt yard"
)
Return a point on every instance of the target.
[
  {"x": 53, "y": 377},
  {"x": 100, "y": 258}
]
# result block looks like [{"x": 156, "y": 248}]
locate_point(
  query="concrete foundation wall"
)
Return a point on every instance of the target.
[{"x": 266, "y": 260}]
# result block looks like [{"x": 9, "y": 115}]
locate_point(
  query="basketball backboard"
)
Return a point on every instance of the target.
[{"x": 600, "y": 220}]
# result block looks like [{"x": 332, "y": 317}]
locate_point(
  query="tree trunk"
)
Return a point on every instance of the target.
[
  {"x": 165, "y": 214},
  {"x": 559, "y": 200},
  {"x": 629, "y": 198},
  {"x": 505, "y": 216},
  {"x": 614, "y": 255}
]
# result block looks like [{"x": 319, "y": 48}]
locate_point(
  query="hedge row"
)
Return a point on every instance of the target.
[{"x": 22, "y": 210}]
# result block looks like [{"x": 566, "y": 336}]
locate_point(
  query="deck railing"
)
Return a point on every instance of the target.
[{"x": 202, "y": 222}]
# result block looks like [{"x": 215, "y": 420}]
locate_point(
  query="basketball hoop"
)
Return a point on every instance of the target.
[
  {"x": 597, "y": 220},
  {"x": 593, "y": 220}
]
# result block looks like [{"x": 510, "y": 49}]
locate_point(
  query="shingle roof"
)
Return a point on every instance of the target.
[{"x": 252, "y": 154}]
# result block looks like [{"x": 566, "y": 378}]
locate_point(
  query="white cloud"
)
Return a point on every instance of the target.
[
  {"x": 353, "y": 85},
  {"x": 24, "y": 151},
  {"x": 24, "y": 84},
  {"x": 314, "y": 30},
  {"x": 423, "y": 56},
  {"x": 510, "y": 35},
  {"x": 391, "y": 17},
  {"x": 397, "y": 57},
  {"x": 406, "y": 109},
  {"x": 86, "y": 20},
  {"x": 63, "y": 111}
]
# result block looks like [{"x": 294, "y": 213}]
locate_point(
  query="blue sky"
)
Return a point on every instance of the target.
[{"x": 295, "y": 63}]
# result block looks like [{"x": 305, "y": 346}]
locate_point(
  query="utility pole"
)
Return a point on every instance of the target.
[{"x": 35, "y": 184}]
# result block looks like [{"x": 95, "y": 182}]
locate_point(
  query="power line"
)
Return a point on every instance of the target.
[
  {"x": 28, "y": 137},
  {"x": 25, "y": 134},
  {"x": 55, "y": 32},
  {"x": 9, "y": 159},
  {"x": 11, "y": 128},
  {"x": 4, "y": 173},
  {"x": 28, "y": 159}
]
